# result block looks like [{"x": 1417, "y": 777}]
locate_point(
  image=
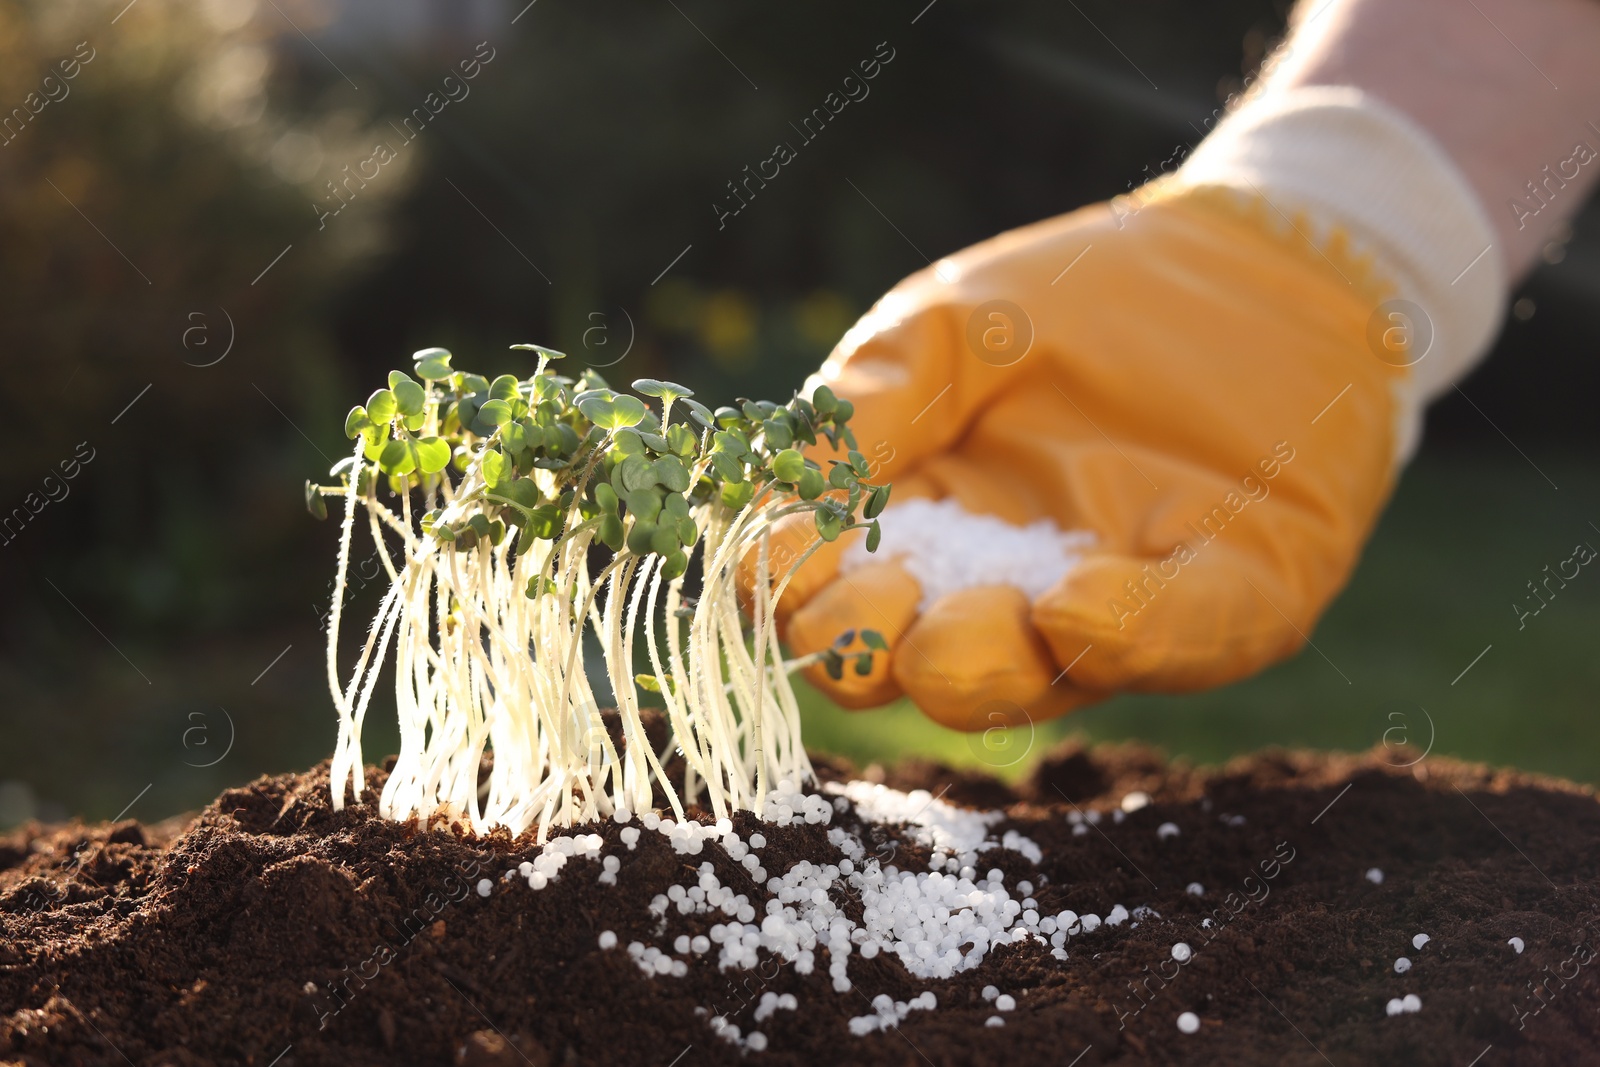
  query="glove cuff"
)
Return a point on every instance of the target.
[{"x": 1345, "y": 161}]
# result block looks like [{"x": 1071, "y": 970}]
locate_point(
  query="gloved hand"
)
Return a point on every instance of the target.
[{"x": 1199, "y": 376}]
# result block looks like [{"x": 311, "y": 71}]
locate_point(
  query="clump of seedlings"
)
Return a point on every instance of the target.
[{"x": 518, "y": 517}]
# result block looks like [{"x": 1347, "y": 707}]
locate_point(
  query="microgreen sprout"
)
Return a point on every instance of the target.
[{"x": 497, "y": 491}]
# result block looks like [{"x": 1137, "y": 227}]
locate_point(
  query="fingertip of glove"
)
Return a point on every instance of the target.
[{"x": 973, "y": 661}]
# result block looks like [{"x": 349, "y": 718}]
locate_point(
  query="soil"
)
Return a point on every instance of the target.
[{"x": 270, "y": 930}]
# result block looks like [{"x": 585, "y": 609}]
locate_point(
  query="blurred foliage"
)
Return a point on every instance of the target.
[{"x": 568, "y": 194}]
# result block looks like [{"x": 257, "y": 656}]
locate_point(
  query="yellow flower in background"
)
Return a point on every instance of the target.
[
  {"x": 674, "y": 306},
  {"x": 822, "y": 317},
  {"x": 728, "y": 327}
]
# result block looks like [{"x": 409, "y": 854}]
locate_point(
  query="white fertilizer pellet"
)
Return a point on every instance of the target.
[
  {"x": 1420, "y": 940},
  {"x": 1402, "y": 965},
  {"x": 608, "y": 939},
  {"x": 888, "y": 1012},
  {"x": 1135, "y": 800},
  {"x": 1195, "y": 889},
  {"x": 1516, "y": 943},
  {"x": 1181, "y": 952},
  {"x": 994, "y": 1020},
  {"x": 1374, "y": 876},
  {"x": 774, "y": 1002},
  {"x": 1005, "y": 1002},
  {"x": 947, "y": 548},
  {"x": 1166, "y": 830},
  {"x": 485, "y": 887},
  {"x": 1189, "y": 1022},
  {"x": 990, "y": 992},
  {"x": 1409, "y": 1004}
]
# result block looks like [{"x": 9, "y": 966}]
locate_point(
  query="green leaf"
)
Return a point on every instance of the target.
[
  {"x": 504, "y": 388},
  {"x": 410, "y": 397},
  {"x": 433, "y": 454},
  {"x": 874, "y": 536},
  {"x": 730, "y": 469},
  {"x": 381, "y": 407},
  {"x": 472, "y": 383},
  {"x": 688, "y": 532},
  {"x": 629, "y": 443},
  {"x": 737, "y": 494},
  {"x": 677, "y": 563},
  {"x": 612, "y": 412},
  {"x": 829, "y": 525},
  {"x": 843, "y": 411},
  {"x": 778, "y": 435},
  {"x": 314, "y": 502},
  {"x": 397, "y": 459},
  {"x": 701, "y": 414},
  {"x": 877, "y": 502},
  {"x": 644, "y": 504},
  {"x": 494, "y": 413},
  {"x": 681, "y": 440},
  {"x": 732, "y": 442},
  {"x": 640, "y": 536},
  {"x": 606, "y": 497},
  {"x": 630, "y": 410},
  {"x": 840, "y": 476},
  {"x": 565, "y": 441},
  {"x": 544, "y": 521},
  {"x": 519, "y": 492},
  {"x": 844, "y": 640},
  {"x": 811, "y": 484},
  {"x": 864, "y": 664},
  {"x": 833, "y": 663},
  {"x": 670, "y": 472},
  {"x": 518, "y": 437},
  {"x": 789, "y": 465},
  {"x": 823, "y": 400},
  {"x": 873, "y": 639},
  {"x": 539, "y": 585},
  {"x": 636, "y": 472},
  {"x": 858, "y": 463},
  {"x": 665, "y": 540},
  {"x": 653, "y": 387},
  {"x": 495, "y": 467},
  {"x": 432, "y": 364},
  {"x": 548, "y": 353},
  {"x": 648, "y": 682},
  {"x": 610, "y": 532},
  {"x": 356, "y": 421}
]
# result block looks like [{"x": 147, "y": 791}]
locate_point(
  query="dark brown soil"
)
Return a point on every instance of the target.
[{"x": 270, "y": 930}]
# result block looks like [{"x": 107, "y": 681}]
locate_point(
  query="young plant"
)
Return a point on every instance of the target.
[{"x": 499, "y": 493}]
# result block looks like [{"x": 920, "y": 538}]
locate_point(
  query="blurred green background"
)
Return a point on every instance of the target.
[{"x": 177, "y": 297}]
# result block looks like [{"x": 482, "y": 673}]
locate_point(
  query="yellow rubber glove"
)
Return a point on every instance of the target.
[{"x": 1187, "y": 377}]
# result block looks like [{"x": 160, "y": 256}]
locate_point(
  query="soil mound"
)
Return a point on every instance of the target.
[{"x": 270, "y": 930}]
